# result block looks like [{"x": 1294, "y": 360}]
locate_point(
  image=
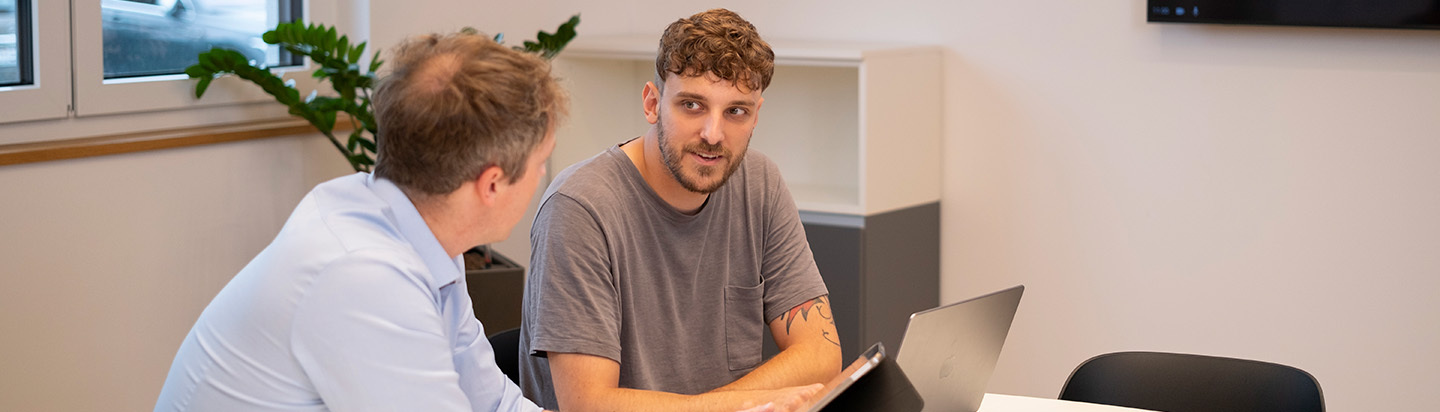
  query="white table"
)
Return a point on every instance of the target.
[{"x": 995, "y": 402}]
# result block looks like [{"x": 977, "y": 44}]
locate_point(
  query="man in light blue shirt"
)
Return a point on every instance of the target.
[{"x": 360, "y": 302}]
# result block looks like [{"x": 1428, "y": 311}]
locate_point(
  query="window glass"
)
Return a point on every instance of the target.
[
  {"x": 10, "y": 50},
  {"x": 162, "y": 37}
]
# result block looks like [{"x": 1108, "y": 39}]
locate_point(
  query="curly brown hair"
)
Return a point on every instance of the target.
[
  {"x": 717, "y": 41},
  {"x": 456, "y": 104}
]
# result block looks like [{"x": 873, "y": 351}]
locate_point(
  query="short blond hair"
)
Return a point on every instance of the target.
[{"x": 456, "y": 104}]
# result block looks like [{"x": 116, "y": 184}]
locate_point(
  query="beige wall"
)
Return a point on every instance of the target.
[
  {"x": 106, "y": 262},
  {"x": 1265, "y": 193}
]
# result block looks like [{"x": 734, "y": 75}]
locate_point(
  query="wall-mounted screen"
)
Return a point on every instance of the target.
[{"x": 1398, "y": 14}]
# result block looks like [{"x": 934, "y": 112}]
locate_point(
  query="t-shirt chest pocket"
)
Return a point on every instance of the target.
[{"x": 744, "y": 326}]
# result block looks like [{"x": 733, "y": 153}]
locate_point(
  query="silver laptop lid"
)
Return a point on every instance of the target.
[{"x": 949, "y": 352}]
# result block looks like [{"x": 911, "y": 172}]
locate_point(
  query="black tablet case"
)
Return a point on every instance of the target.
[{"x": 884, "y": 389}]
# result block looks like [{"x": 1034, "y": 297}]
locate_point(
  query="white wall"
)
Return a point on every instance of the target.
[
  {"x": 1266, "y": 193},
  {"x": 1258, "y": 192},
  {"x": 105, "y": 262}
]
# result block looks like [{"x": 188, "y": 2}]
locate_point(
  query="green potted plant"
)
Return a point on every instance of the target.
[{"x": 338, "y": 62}]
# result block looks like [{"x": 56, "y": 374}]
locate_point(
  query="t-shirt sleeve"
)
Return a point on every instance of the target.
[
  {"x": 788, "y": 266},
  {"x": 570, "y": 295},
  {"x": 370, "y": 338}
]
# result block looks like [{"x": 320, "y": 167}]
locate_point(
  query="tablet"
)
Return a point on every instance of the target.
[
  {"x": 862, "y": 365},
  {"x": 872, "y": 382}
]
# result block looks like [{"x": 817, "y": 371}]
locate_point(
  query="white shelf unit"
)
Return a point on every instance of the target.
[{"x": 855, "y": 129}]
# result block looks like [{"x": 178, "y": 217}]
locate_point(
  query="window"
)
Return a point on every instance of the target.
[
  {"x": 130, "y": 54},
  {"x": 37, "y": 79},
  {"x": 14, "y": 43},
  {"x": 105, "y": 57},
  {"x": 144, "y": 38}
]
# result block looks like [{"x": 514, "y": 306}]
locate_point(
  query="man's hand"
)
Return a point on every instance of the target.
[{"x": 788, "y": 399}]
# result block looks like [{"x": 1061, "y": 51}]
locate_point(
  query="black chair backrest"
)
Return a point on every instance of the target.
[
  {"x": 507, "y": 353},
  {"x": 1176, "y": 382}
]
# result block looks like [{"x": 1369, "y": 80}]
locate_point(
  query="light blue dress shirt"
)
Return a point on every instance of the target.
[{"x": 354, "y": 307}]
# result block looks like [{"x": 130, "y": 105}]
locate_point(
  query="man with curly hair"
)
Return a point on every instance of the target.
[{"x": 658, "y": 264}]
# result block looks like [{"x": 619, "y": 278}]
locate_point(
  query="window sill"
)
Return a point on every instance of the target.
[{"x": 21, "y": 153}]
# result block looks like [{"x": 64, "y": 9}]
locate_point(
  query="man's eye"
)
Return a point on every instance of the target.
[
  {"x": 690, "y": 105},
  {"x": 738, "y": 111}
]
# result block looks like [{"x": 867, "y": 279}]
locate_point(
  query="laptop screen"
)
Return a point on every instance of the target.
[{"x": 949, "y": 352}]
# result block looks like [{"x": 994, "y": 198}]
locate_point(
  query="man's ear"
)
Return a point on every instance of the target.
[
  {"x": 490, "y": 183},
  {"x": 758, "y": 103},
  {"x": 650, "y": 102}
]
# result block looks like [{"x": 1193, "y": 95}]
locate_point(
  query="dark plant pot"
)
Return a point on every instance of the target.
[{"x": 496, "y": 289}]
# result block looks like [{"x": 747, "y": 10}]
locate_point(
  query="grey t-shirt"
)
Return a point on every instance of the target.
[{"x": 680, "y": 301}]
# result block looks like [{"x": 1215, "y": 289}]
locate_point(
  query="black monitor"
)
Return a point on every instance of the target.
[{"x": 1393, "y": 14}]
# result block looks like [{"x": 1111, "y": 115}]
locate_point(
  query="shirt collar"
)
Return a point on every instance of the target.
[{"x": 443, "y": 269}]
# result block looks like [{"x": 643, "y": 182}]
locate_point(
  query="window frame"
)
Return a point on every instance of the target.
[{"x": 44, "y": 111}]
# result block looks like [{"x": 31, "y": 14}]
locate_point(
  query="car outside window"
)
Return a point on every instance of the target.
[
  {"x": 12, "y": 59},
  {"x": 162, "y": 37}
]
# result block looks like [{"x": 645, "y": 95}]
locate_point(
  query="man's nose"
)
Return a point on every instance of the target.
[{"x": 712, "y": 132}]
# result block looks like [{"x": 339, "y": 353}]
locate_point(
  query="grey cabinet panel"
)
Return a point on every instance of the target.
[
  {"x": 878, "y": 274},
  {"x": 838, "y": 255},
  {"x": 901, "y": 272}
]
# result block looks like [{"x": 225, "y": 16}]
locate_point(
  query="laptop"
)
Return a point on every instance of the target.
[{"x": 949, "y": 352}]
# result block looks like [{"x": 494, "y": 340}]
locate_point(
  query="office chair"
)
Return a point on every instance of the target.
[
  {"x": 1192, "y": 383},
  {"x": 507, "y": 353}
]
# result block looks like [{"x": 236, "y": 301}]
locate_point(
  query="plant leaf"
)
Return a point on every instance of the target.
[
  {"x": 285, "y": 33},
  {"x": 356, "y": 53},
  {"x": 328, "y": 120},
  {"x": 342, "y": 49},
  {"x": 367, "y": 144},
  {"x": 376, "y": 62},
  {"x": 549, "y": 45},
  {"x": 196, "y": 72},
  {"x": 202, "y": 85}
]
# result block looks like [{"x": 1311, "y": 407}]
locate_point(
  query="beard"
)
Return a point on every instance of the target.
[{"x": 695, "y": 181}]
